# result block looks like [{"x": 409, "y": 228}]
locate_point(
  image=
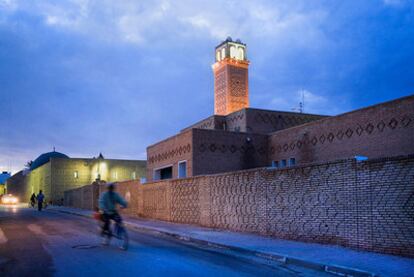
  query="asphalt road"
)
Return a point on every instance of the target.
[{"x": 49, "y": 243}]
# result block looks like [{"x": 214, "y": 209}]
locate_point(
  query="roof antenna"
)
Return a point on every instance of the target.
[{"x": 301, "y": 108}]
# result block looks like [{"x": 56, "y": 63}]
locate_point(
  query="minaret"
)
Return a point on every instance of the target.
[{"x": 231, "y": 87}]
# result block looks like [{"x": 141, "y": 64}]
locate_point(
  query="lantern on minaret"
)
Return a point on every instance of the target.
[{"x": 231, "y": 87}]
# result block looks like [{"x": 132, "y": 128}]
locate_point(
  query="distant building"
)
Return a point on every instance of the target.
[
  {"x": 238, "y": 137},
  {"x": 3, "y": 178},
  {"x": 55, "y": 172}
]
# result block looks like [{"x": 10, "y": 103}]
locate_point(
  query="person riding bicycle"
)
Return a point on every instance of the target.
[{"x": 107, "y": 204}]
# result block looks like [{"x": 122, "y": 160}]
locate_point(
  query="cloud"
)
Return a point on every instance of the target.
[
  {"x": 115, "y": 76},
  {"x": 393, "y": 2},
  {"x": 140, "y": 22}
]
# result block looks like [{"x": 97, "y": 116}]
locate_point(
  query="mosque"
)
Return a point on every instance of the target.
[
  {"x": 238, "y": 137},
  {"x": 55, "y": 172}
]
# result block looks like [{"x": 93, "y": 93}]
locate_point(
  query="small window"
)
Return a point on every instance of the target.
[
  {"x": 275, "y": 164},
  {"x": 223, "y": 53},
  {"x": 143, "y": 180},
  {"x": 283, "y": 163},
  {"x": 115, "y": 175},
  {"x": 163, "y": 173},
  {"x": 133, "y": 175},
  {"x": 292, "y": 161},
  {"x": 76, "y": 174},
  {"x": 182, "y": 169}
]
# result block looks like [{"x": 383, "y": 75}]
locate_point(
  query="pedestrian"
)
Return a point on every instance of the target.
[
  {"x": 40, "y": 198},
  {"x": 33, "y": 200}
]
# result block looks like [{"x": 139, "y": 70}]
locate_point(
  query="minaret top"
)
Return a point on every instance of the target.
[{"x": 229, "y": 49}]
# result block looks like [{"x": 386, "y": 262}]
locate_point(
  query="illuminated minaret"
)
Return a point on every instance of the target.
[{"x": 231, "y": 86}]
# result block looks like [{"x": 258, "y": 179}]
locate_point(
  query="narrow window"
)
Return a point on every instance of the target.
[
  {"x": 76, "y": 174},
  {"x": 233, "y": 53},
  {"x": 275, "y": 164},
  {"x": 182, "y": 169},
  {"x": 292, "y": 161},
  {"x": 115, "y": 175},
  {"x": 133, "y": 175},
  {"x": 283, "y": 163}
]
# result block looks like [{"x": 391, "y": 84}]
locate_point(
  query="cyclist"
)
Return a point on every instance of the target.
[{"x": 107, "y": 204}]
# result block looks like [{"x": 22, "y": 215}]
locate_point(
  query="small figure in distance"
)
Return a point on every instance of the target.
[
  {"x": 33, "y": 200},
  {"x": 40, "y": 198}
]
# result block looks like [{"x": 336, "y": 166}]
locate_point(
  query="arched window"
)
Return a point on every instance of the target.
[
  {"x": 233, "y": 52},
  {"x": 241, "y": 53}
]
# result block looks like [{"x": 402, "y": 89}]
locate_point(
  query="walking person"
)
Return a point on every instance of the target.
[
  {"x": 33, "y": 200},
  {"x": 40, "y": 199}
]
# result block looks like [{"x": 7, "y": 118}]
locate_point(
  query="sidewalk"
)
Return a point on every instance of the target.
[{"x": 335, "y": 259}]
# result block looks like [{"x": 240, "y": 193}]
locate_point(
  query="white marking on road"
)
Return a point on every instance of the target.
[
  {"x": 3, "y": 238},
  {"x": 36, "y": 229}
]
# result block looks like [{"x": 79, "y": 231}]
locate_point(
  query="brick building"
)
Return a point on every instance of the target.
[
  {"x": 238, "y": 137},
  {"x": 55, "y": 172}
]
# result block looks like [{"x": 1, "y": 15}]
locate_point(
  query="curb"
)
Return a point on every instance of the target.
[{"x": 284, "y": 259}]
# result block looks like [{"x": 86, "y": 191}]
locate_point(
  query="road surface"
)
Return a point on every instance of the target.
[{"x": 50, "y": 243}]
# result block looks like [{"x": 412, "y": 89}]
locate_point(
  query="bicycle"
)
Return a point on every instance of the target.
[{"x": 116, "y": 230}]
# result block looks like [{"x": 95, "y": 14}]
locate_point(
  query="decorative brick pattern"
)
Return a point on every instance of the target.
[
  {"x": 364, "y": 205},
  {"x": 180, "y": 150}
]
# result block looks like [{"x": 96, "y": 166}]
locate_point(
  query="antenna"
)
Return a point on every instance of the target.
[
  {"x": 301, "y": 108},
  {"x": 302, "y": 104}
]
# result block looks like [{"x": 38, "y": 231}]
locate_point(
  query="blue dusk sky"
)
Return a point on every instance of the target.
[{"x": 116, "y": 76}]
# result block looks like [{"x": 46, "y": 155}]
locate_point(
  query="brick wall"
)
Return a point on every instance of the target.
[
  {"x": 169, "y": 152},
  {"x": 265, "y": 121},
  {"x": 216, "y": 151},
  {"x": 363, "y": 205},
  {"x": 379, "y": 131}
]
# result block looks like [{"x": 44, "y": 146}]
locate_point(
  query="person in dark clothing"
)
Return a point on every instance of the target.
[
  {"x": 107, "y": 204},
  {"x": 33, "y": 200},
  {"x": 40, "y": 199}
]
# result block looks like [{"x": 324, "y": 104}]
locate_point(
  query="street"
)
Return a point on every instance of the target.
[{"x": 49, "y": 243}]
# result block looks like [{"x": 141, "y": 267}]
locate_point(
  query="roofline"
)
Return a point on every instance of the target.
[
  {"x": 227, "y": 41},
  {"x": 168, "y": 138},
  {"x": 92, "y": 159},
  {"x": 347, "y": 113}
]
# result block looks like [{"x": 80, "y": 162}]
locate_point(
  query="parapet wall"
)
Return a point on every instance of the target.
[{"x": 363, "y": 205}]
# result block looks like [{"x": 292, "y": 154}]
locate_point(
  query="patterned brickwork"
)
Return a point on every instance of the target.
[
  {"x": 379, "y": 131},
  {"x": 178, "y": 151},
  {"x": 363, "y": 205},
  {"x": 312, "y": 203},
  {"x": 230, "y": 87},
  {"x": 237, "y": 202},
  {"x": 170, "y": 152},
  {"x": 185, "y": 205}
]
